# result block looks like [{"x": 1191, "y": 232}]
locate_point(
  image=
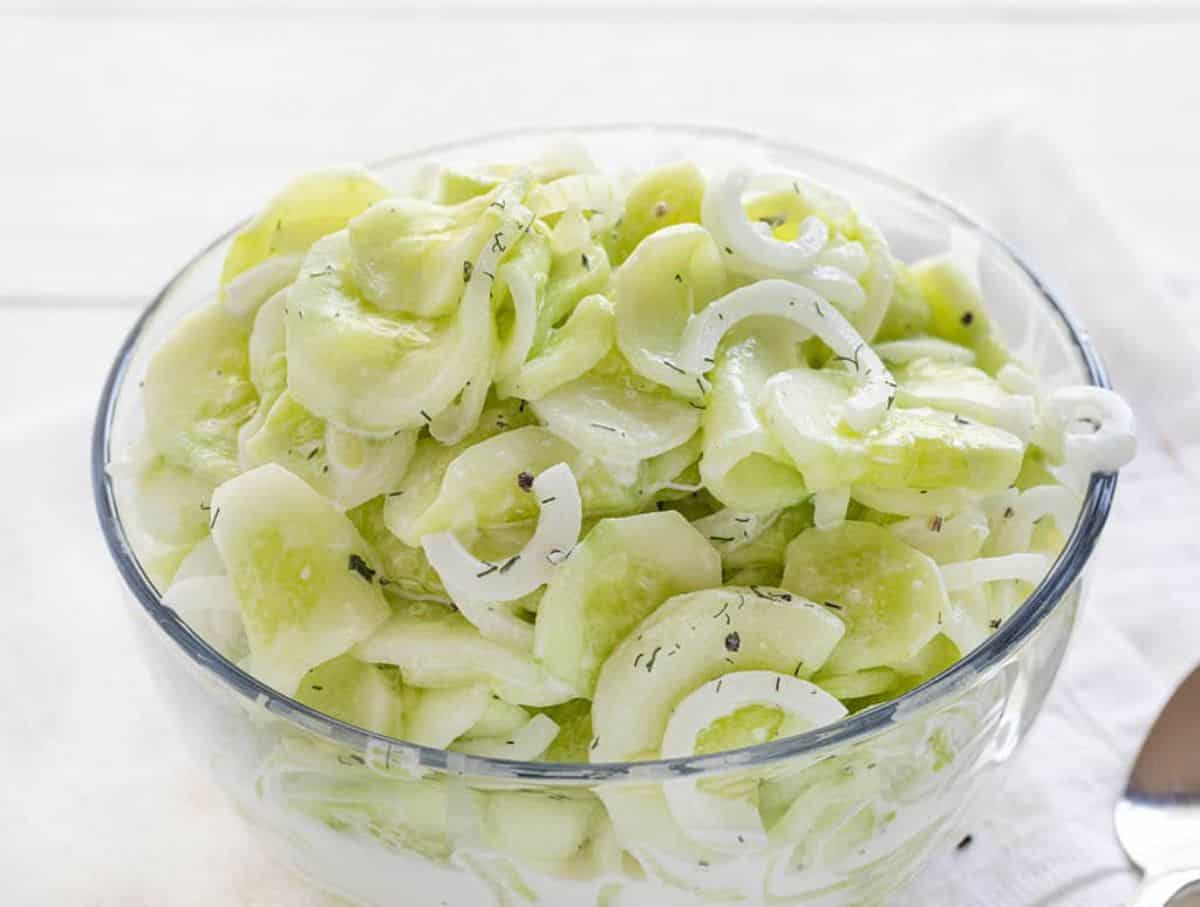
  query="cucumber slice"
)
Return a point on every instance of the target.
[
  {"x": 911, "y": 349},
  {"x": 442, "y": 649},
  {"x": 696, "y": 638},
  {"x": 616, "y": 419},
  {"x": 498, "y": 718},
  {"x": 859, "y": 684},
  {"x": 966, "y": 390},
  {"x": 890, "y": 595},
  {"x": 672, "y": 274},
  {"x": 534, "y": 825},
  {"x": 412, "y": 256},
  {"x": 945, "y": 539},
  {"x": 309, "y": 207},
  {"x": 521, "y": 284},
  {"x": 268, "y": 351},
  {"x": 375, "y": 372},
  {"x": 660, "y": 198},
  {"x": 574, "y": 720},
  {"x": 172, "y": 504},
  {"x": 621, "y": 572},
  {"x": 569, "y": 351},
  {"x": 743, "y": 465},
  {"x": 456, "y": 186},
  {"x": 573, "y": 276},
  {"x": 438, "y": 717},
  {"x": 197, "y": 393},
  {"x": 347, "y": 469},
  {"x": 407, "y": 503},
  {"x": 357, "y": 693},
  {"x": 956, "y": 309},
  {"x": 908, "y": 313},
  {"x": 767, "y": 550},
  {"x": 247, "y": 292},
  {"x": 404, "y": 570},
  {"x": 911, "y": 449},
  {"x": 525, "y": 744},
  {"x": 202, "y": 560},
  {"x": 303, "y": 575}
]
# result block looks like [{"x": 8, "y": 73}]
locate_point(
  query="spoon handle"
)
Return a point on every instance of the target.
[{"x": 1160, "y": 890}]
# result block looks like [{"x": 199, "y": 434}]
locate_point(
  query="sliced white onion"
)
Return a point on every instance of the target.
[
  {"x": 362, "y": 468},
  {"x": 727, "y": 823},
  {"x": 570, "y": 233},
  {"x": 442, "y": 715},
  {"x": 901, "y": 351},
  {"x": 1014, "y": 514},
  {"x": 850, "y": 257},
  {"x": 1090, "y": 428},
  {"x": 525, "y": 744},
  {"x": 748, "y": 249},
  {"x": 829, "y": 507},
  {"x": 730, "y": 529},
  {"x": 515, "y": 349},
  {"x": 835, "y": 285},
  {"x": 1016, "y": 380},
  {"x": 470, "y": 580},
  {"x": 1026, "y": 567},
  {"x": 461, "y": 417},
  {"x": 593, "y": 192},
  {"x": 806, "y": 308},
  {"x": 254, "y": 286}
]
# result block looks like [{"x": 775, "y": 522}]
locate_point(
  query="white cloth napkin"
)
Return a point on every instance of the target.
[{"x": 104, "y": 807}]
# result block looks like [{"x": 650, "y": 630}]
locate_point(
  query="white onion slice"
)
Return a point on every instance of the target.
[
  {"x": 850, "y": 257},
  {"x": 587, "y": 191},
  {"x": 461, "y": 417},
  {"x": 1026, "y": 567},
  {"x": 806, "y": 308},
  {"x": 748, "y": 249},
  {"x": 1091, "y": 428},
  {"x": 209, "y": 605},
  {"x": 913, "y": 501},
  {"x": 499, "y": 621},
  {"x": 1014, "y": 514},
  {"x": 835, "y": 285},
  {"x": 829, "y": 507},
  {"x": 470, "y": 580},
  {"x": 254, "y": 286},
  {"x": 901, "y": 351},
  {"x": 727, "y": 823},
  {"x": 525, "y": 744},
  {"x": 1016, "y": 380}
]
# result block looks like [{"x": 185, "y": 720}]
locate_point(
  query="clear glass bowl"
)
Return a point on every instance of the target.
[{"x": 854, "y": 809}]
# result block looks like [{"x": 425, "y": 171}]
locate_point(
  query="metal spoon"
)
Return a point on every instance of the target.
[{"x": 1158, "y": 817}]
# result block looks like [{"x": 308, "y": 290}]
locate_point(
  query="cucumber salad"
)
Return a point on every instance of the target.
[{"x": 540, "y": 462}]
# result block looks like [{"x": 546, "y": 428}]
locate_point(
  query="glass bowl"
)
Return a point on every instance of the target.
[{"x": 854, "y": 809}]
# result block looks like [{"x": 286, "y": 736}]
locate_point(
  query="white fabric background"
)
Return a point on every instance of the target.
[{"x": 102, "y": 806}]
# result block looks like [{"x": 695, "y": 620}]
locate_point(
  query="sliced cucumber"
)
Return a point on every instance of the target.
[
  {"x": 304, "y": 577},
  {"x": 672, "y": 274},
  {"x": 569, "y": 351},
  {"x": 573, "y": 276},
  {"x": 307, "y": 208},
  {"x": 621, "y": 572},
  {"x": 209, "y": 606},
  {"x": 498, "y": 718},
  {"x": 890, "y": 595},
  {"x": 660, "y": 198},
  {"x": 536, "y": 825},
  {"x": 197, "y": 393},
  {"x": 911, "y": 449},
  {"x": 438, "y": 717},
  {"x": 172, "y": 503},
  {"x": 442, "y": 649},
  {"x": 956, "y": 308},
  {"x": 963, "y": 389},
  {"x": 574, "y": 720},
  {"x": 743, "y": 465},
  {"x": 696, "y": 638},
  {"x": 357, "y": 693},
  {"x": 346, "y": 468},
  {"x": 404, "y": 570},
  {"x": 613, "y": 417},
  {"x": 945, "y": 539}
]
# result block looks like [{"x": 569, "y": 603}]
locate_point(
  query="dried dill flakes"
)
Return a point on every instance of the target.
[
  {"x": 312, "y": 453},
  {"x": 967, "y": 318},
  {"x": 603, "y": 427},
  {"x": 213, "y": 522},
  {"x": 995, "y": 623},
  {"x": 394, "y": 494},
  {"x": 1009, "y": 513},
  {"x": 549, "y": 500},
  {"x": 583, "y": 260},
  {"x": 673, "y": 367},
  {"x": 834, "y": 605},
  {"x": 660, "y": 209},
  {"x": 679, "y": 278},
  {"x": 799, "y": 667},
  {"x": 362, "y": 568},
  {"x": 1087, "y": 420},
  {"x": 653, "y": 658},
  {"x": 774, "y": 221},
  {"x": 468, "y": 270},
  {"x": 426, "y": 416},
  {"x": 771, "y": 596},
  {"x": 720, "y": 538},
  {"x": 733, "y": 642},
  {"x": 595, "y": 743},
  {"x": 820, "y": 311},
  {"x": 487, "y": 571},
  {"x": 638, "y": 658},
  {"x": 508, "y": 564},
  {"x": 498, "y": 242},
  {"x": 728, "y": 251},
  {"x": 959, "y": 420},
  {"x": 525, "y": 481},
  {"x": 935, "y": 524},
  {"x": 964, "y": 843},
  {"x": 694, "y": 405},
  {"x": 317, "y": 687}
]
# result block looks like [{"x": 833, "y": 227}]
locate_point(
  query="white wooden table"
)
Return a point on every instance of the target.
[{"x": 133, "y": 132}]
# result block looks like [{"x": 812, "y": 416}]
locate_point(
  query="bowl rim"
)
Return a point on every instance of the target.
[{"x": 994, "y": 650}]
